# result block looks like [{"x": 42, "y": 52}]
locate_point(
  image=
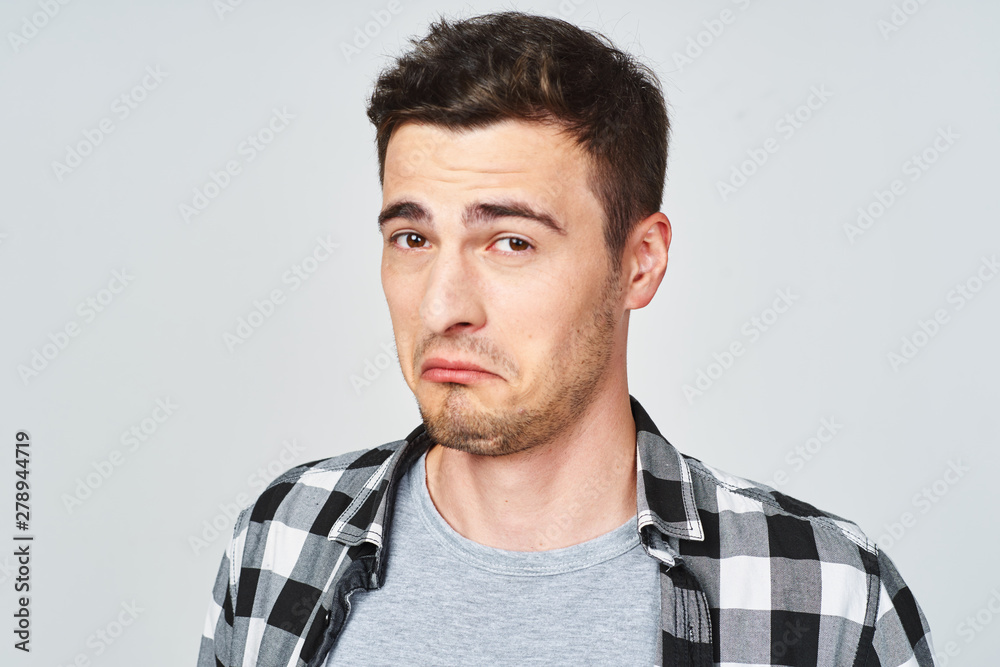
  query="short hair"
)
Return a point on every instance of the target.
[{"x": 511, "y": 65}]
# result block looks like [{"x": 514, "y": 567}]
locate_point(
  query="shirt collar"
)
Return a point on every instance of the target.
[
  {"x": 664, "y": 491},
  {"x": 665, "y": 503}
]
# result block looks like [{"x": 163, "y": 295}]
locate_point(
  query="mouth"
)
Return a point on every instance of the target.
[{"x": 460, "y": 372}]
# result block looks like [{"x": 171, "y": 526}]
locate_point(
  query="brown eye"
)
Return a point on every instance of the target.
[
  {"x": 412, "y": 240},
  {"x": 516, "y": 245}
]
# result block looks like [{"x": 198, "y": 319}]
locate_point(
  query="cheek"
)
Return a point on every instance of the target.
[
  {"x": 403, "y": 303},
  {"x": 535, "y": 325},
  {"x": 402, "y": 295}
]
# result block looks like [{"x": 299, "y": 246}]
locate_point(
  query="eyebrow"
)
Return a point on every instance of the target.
[{"x": 480, "y": 214}]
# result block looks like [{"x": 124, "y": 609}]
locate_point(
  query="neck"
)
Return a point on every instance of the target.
[{"x": 574, "y": 488}]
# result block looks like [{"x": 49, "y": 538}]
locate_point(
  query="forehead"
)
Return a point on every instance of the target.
[{"x": 517, "y": 154}]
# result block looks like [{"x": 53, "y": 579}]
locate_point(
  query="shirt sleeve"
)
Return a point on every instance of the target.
[
  {"x": 902, "y": 635},
  {"x": 217, "y": 634}
]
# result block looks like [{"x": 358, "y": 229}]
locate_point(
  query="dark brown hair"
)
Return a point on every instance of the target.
[{"x": 510, "y": 65}]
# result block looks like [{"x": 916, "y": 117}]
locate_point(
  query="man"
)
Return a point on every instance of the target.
[{"x": 536, "y": 515}]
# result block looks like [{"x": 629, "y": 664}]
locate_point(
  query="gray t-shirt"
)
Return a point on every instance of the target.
[{"x": 448, "y": 600}]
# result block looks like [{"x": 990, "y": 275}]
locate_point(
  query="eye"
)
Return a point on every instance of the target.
[
  {"x": 412, "y": 240},
  {"x": 515, "y": 244}
]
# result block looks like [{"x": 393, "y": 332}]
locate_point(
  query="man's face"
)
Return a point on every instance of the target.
[{"x": 494, "y": 256}]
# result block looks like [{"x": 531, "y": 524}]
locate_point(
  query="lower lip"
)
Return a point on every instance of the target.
[{"x": 459, "y": 375}]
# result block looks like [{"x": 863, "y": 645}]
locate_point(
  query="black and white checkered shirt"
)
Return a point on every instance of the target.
[{"x": 748, "y": 575}]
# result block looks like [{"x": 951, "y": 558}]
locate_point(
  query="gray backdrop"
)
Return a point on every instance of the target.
[{"x": 191, "y": 302}]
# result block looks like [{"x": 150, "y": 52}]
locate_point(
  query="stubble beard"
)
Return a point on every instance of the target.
[{"x": 572, "y": 379}]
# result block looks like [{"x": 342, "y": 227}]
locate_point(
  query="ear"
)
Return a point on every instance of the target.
[{"x": 646, "y": 259}]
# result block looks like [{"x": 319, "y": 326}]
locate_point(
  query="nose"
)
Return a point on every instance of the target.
[{"x": 451, "y": 302}]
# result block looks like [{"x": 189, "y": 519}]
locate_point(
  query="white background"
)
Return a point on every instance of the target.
[{"x": 285, "y": 395}]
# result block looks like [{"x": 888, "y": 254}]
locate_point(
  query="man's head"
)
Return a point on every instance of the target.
[
  {"x": 473, "y": 73},
  {"x": 522, "y": 163}
]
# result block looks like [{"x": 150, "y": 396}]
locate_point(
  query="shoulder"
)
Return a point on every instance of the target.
[
  {"x": 746, "y": 501},
  {"x": 304, "y": 491},
  {"x": 766, "y": 550},
  {"x": 300, "y": 505}
]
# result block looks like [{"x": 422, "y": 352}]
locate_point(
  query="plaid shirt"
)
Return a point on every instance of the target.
[{"x": 748, "y": 575}]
